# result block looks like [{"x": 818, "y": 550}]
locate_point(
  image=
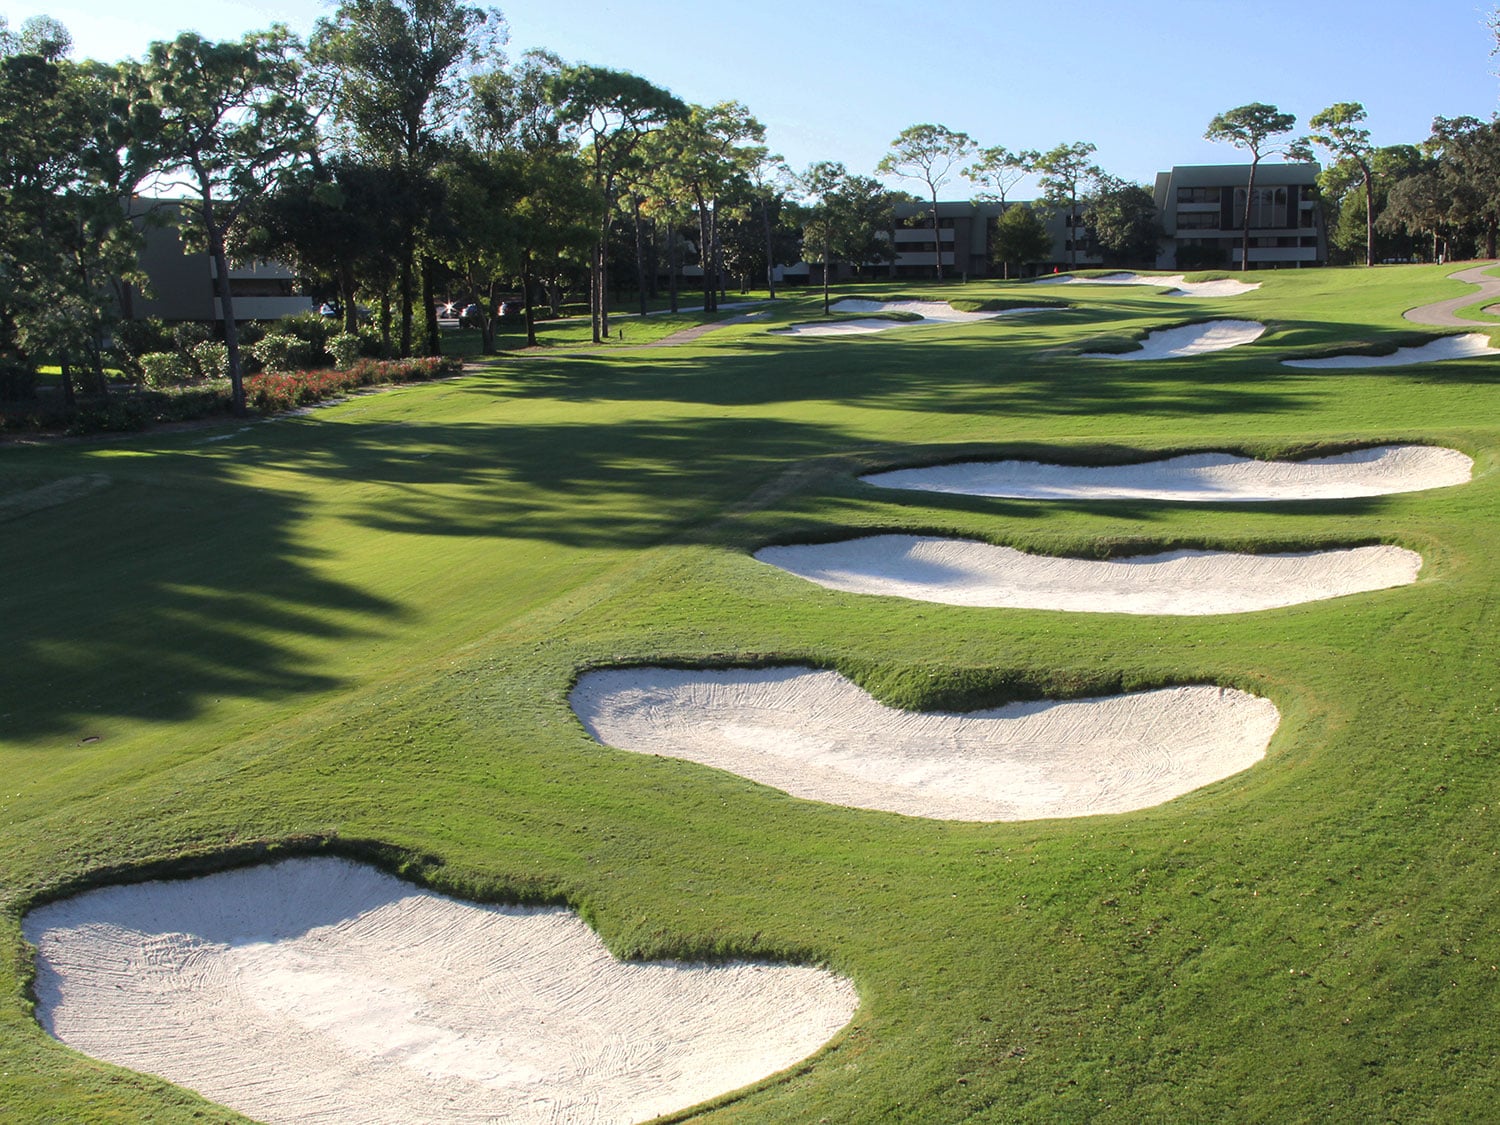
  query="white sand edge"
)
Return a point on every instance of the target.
[
  {"x": 1467, "y": 346},
  {"x": 817, "y": 735},
  {"x": 320, "y": 990},
  {"x": 1176, "y": 284},
  {"x": 931, "y": 313},
  {"x": 1190, "y": 339},
  {"x": 1191, "y": 583},
  {"x": 1198, "y": 477}
]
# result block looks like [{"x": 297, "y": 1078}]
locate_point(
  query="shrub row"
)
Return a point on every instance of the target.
[{"x": 271, "y": 392}]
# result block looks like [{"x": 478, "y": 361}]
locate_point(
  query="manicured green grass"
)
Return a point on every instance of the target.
[{"x": 356, "y": 628}]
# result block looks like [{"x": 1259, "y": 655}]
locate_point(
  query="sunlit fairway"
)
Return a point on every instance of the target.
[{"x": 356, "y": 630}]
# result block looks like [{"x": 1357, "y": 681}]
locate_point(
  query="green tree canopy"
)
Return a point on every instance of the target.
[
  {"x": 927, "y": 154},
  {"x": 1250, "y": 127},
  {"x": 223, "y": 123}
]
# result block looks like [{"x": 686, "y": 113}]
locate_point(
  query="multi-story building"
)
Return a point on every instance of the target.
[
  {"x": 183, "y": 282},
  {"x": 1202, "y": 210}
]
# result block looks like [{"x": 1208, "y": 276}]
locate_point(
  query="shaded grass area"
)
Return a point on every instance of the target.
[{"x": 356, "y": 630}]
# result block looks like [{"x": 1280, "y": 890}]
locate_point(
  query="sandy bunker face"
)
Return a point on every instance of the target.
[
  {"x": 1468, "y": 346},
  {"x": 817, "y": 735},
  {"x": 1190, "y": 339},
  {"x": 969, "y": 573},
  {"x": 1198, "y": 477},
  {"x": 321, "y": 990},
  {"x": 1177, "y": 285},
  {"x": 931, "y": 312}
]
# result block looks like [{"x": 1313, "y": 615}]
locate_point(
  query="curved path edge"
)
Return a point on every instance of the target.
[{"x": 1441, "y": 313}]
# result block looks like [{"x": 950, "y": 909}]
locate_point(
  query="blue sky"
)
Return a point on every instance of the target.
[{"x": 838, "y": 79}]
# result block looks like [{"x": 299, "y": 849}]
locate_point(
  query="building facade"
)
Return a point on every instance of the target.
[
  {"x": 183, "y": 283},
  {"x": 1202, "y": 210}
]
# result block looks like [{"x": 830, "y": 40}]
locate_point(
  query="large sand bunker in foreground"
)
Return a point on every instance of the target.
[
  {"x": 1190, "y": 339},
  {"x": 931, "y": 312},
  {"x": 817, "y": 735},
  {"x": 1197, "y": 477},
  {"x": 1467, "y": 346},
  {"x": 968, "y": 573},
  {"x": 319, "y": 990},
  {"x": 1176, "y": 284}
]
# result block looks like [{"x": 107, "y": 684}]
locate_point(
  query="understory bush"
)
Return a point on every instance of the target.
[
  {"x": 281, "y": 352},
  {"x": 211, "y": 360},
  {"x": 345, "y": 348},
  {"x": 165, "y": 369}
]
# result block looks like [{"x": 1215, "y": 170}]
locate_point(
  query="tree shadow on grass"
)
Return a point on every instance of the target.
[{"x": 150, "y": 597}]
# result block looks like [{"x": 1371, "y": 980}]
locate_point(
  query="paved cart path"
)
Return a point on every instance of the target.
[{"x": 1441, "y": 313}]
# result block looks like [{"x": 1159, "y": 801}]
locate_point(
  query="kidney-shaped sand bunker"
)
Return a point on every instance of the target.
[
  {"x": 1203, "y": 478},
  {"x": 324, "y": 990},
  {"x": 1179, "y": 583},
  {"x": 817, "y": 735}
]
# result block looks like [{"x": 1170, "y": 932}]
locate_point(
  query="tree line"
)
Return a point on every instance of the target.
[{"x": 398, "y": 155}]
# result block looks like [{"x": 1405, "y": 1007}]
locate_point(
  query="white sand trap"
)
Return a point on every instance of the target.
[
  {"x": 1198, "y": 477},
  {"x": 319, "y": 990},
  {"x": 931, "y": 312},
  {"x": 1467, "y": 346},
  {"x": 1190, "y": 339},
  {"x": 1176, "y": 284},
  {"x": 816, "y": 735},
  {"x": 1190, "y": 583}
]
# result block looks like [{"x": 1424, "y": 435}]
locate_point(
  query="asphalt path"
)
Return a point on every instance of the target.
[{"x": 1441, "y": 313}]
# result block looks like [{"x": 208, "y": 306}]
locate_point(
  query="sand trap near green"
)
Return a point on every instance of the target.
[
  {"x": 817, "y": 735},
  {"x": 1221, "y": 478},
  {"x": 1180, "y": 583},
  {"x": 320, "y": 990},
  {"x": 1190, "y": 339},
  {"x": 1176, "y": 284},
  {"x": 930, "y": 312},
  {"x": 1468, "y": 346}
]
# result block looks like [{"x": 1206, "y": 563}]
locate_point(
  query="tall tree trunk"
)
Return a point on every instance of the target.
[
  {"x": 640, "y": 252},
  {"x": 67, "y": 382},
  {"x": 405, "y": 295},
  {"x": 717, "y": 257},
  {"x": 653, "y": 251},
  {"x": 674, "y": 261},
  {"x": 385, "y": 319},
  {"x": 937, "y": 239},
  {"x": 526, "y": 287},
  {"x": 1249, "y": 202},
  {"x": 705, "y": 250},
  {"x": 1073, "y": 229},
  {"x": 825, "y": 276},
  {"x": 765, "y": 219},
  {"x": 226, "y": 307},
  {"x": 346, "y": 297},
  {"x": 429, "y": 301},
  {"x": 1369, "y": 215}
]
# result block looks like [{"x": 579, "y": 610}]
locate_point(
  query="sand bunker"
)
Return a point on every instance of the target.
[
  {"x": 1198, "y": 477},
  {"x": 321, "y": 990},
  {"x": 816, "y": 735},
  {"x": 1190, "y": 339},
  {"x": 931, "y": 312},
  {"x": 1176, "y": 284},
  {"x": 1467, "y": 346},
  {"x": 963, "y": 572}
]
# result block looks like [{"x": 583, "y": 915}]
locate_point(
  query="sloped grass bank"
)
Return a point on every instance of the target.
[{"x": 361, "y": 626}]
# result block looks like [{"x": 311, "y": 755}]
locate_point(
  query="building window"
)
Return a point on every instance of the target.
[
  {"x": 1198, "y": 195},
  {"x": 1197, "y": 220},
  {"x": 1268, "y": 209}
]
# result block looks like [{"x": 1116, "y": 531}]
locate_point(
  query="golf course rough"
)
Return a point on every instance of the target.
[
  {"x": 1220, "y": 478},
  {"x": 321, "y": 990},
  {"x": 1189, "y": 583},
  {"x": 816, "y": 735}
]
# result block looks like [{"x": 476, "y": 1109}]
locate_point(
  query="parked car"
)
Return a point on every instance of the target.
[{"x": 511, "y": 308}]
